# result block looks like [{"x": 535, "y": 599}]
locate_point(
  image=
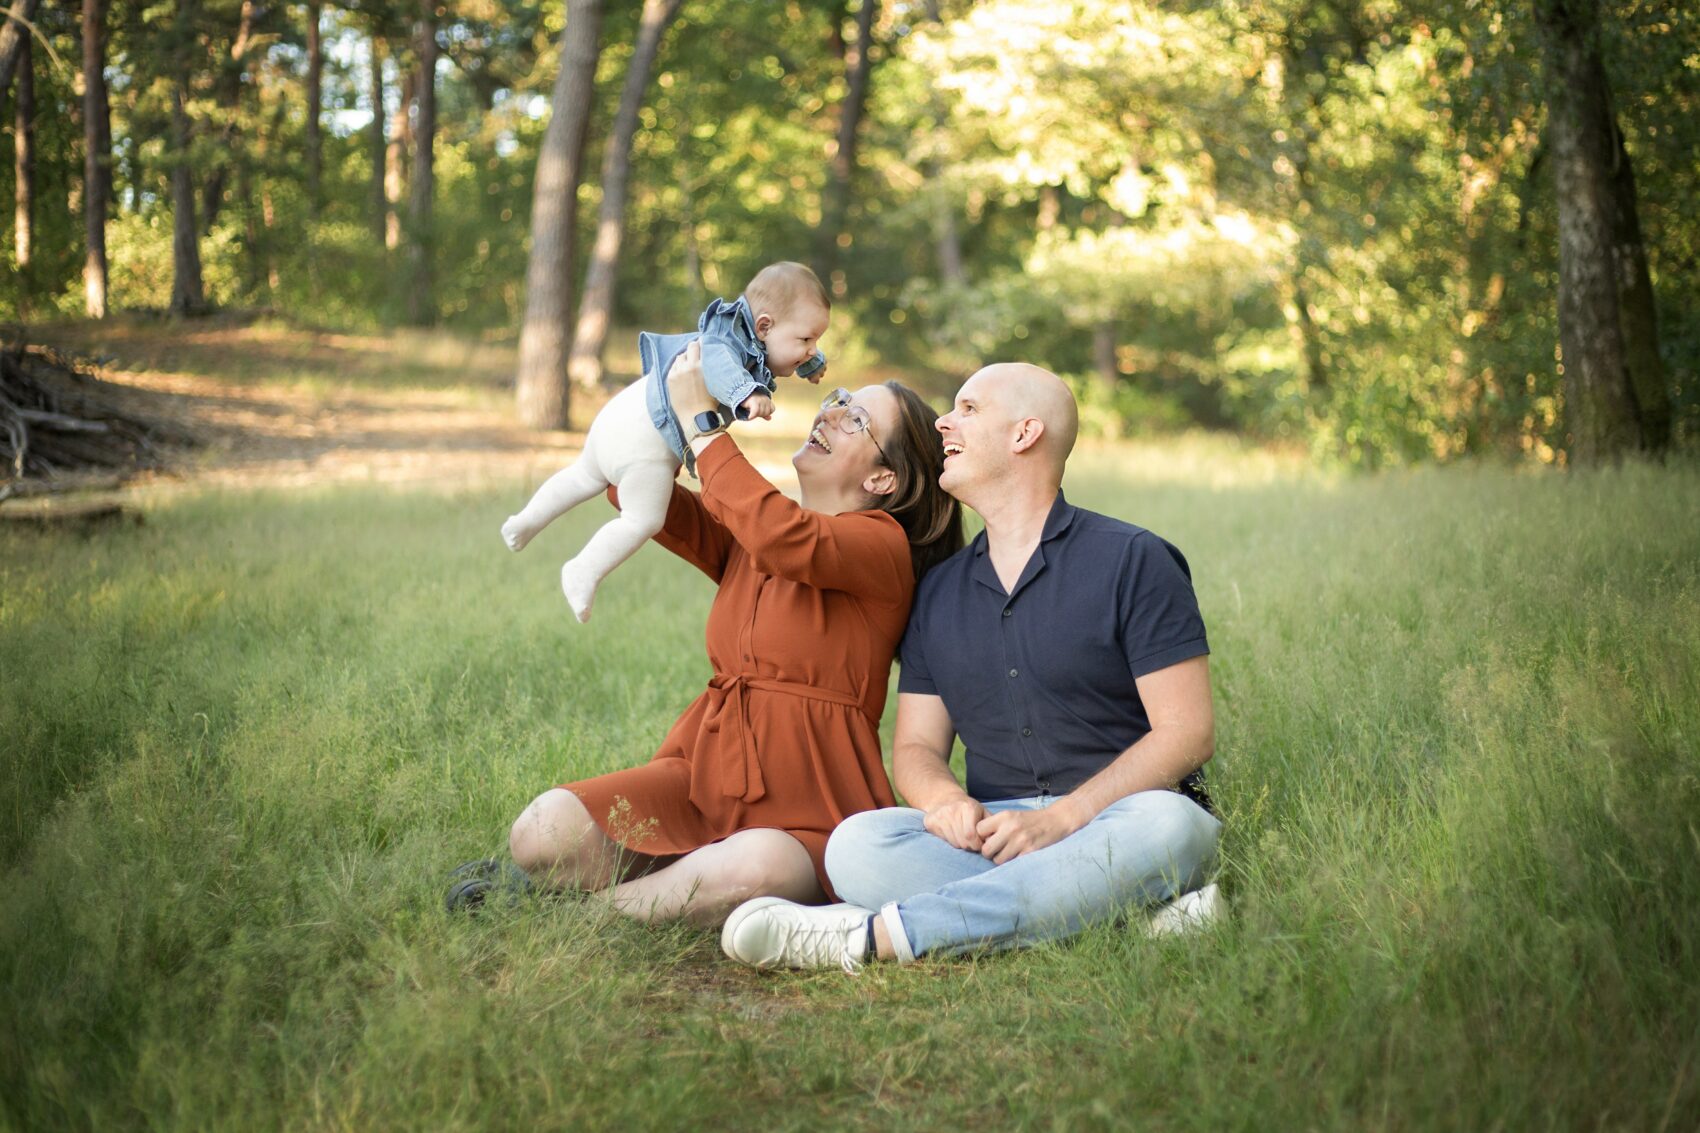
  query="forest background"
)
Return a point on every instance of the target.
[{"x": 1335, "y": 223}]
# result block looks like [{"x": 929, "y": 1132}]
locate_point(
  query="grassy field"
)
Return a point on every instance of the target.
[{"x": 240, "y": 746}]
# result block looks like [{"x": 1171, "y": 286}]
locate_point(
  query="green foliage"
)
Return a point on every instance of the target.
[
  {"x": 244, "y": 742},
  {"x": 1325, "y": 222}
]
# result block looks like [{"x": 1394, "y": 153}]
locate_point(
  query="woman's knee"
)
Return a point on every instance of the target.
[
  {"x": 550, "y": 832},
  {"x": 767, "y": 863}
]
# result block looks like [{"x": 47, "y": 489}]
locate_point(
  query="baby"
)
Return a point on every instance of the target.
[{"x": 637, "y": 442}]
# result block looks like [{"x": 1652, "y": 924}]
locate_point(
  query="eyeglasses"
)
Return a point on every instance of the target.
[{"x": 854, "y": 419}]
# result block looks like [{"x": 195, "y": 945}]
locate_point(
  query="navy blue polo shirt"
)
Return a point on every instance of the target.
[{"x": 1039, "y": 681}]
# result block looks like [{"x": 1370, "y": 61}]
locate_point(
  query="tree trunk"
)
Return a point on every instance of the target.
[
  {"x": 1104, "y": 352},
  {"x": 315, "y": 85},
  {"x": 596, "y": 305},
  {"x": 229, "y": 86},
  {"x": 1637, "y": 311},
  {"x": 835, "y": 200},
  {"x": 12, "y": 37},
  {"x": 23, "y": 159},
  {"x": 187, "y": 295},
  {"x": 541, "y": 383},
  {"x": 421, "y": 311},
  {"x": 945, "y": 236},
  {"x": 395, "y": 162},
  {"x": 1602, "y": 415},
  {"x": 95, "y": 162},
  {"x": 379, "y": 146}
]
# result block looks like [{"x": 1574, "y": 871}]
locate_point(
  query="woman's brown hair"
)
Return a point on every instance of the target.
[{"x": 931, "y": 517}]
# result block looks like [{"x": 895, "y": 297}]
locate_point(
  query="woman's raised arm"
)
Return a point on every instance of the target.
[{"x": 862, "y": 552}]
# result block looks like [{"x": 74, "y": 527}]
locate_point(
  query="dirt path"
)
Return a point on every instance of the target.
[{"x": 285, "y": 406}]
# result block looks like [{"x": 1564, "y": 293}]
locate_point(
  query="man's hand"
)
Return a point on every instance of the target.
[
  {"x": 956, "y": 822},
  {"x": 1011, "y": 833},
  {"x": 757, "y": 405}
]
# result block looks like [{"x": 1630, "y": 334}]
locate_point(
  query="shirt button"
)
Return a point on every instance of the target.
[
  {"x": 1027, "y": 731},
  {"x": 1015, "y": 672},
  {"x": 1007, "y": 612}
]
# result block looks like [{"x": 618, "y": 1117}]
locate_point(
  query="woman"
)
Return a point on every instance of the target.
[{"x": 784, "y": 744}]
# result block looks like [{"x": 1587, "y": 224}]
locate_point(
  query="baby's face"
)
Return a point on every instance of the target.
[{"x": 792, "y": 337}]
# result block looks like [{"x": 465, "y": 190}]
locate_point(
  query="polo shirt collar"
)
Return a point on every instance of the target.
[{"x": 1057, "y": 522}]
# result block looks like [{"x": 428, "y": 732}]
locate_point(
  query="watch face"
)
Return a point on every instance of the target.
[{"x": 707, "y": 421}]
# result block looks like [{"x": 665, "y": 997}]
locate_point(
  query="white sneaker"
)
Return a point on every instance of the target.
[
  {"x": 771, "y": 932},
  {"x": 1187, "y": 913}
]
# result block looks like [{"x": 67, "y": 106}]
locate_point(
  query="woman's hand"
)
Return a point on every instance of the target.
[{"x": 685, "y": 386}]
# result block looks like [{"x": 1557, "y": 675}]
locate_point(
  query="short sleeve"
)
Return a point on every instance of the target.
[
  {"x": 913, "y": 674},
  {"x": 1160, "y": 621}
]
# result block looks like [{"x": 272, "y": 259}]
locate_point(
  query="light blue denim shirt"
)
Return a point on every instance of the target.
[{"x": 734, "y": 365}]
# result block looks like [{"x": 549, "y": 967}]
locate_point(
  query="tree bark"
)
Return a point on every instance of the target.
[
  {"x": 541, "y": 382},
  {"x": 1600, "y": 407},
  {"x": 187, "y": 295},
  {"x": 596, "y": 305},
  {"x": 395, "y": 162},
  {"x": 1637, "y": 310},
  {"x": 946, "y": 238},
  {"x": 229, "y": 85},
  {"x": 835, "y": 199},
  {"x": 378, "y": 144},
  {"x": 95, "y": 162},
  {"x": 421, "y": 310},
  {"x": 23, "y": 159},
  {"x": 13, "y": 34},
  {"x": 315, "y": 95},
  {"x": 1104, "y": 352}
]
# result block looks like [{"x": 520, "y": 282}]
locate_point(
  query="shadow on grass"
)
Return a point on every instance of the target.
[{"x": 246, "y": 349}]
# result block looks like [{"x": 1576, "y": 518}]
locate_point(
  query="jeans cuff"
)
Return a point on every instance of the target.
[{"x": 894, "y": 929}]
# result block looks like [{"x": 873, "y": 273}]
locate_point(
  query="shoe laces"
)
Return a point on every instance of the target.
[{"x": 812, "y": 941}]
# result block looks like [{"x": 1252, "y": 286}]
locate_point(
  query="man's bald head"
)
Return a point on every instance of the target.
[{"x": 1024, "y": 390}]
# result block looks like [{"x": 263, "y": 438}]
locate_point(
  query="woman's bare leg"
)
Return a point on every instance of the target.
[
  {"x": 557, "y": 842},
  {"x": 705, "y": 885}
]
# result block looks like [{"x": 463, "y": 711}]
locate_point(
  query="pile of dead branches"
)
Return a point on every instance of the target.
[{"x": 60, "y": 424}]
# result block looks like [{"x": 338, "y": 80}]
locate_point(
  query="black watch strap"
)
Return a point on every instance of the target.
[{"x": 708, "y": 421}]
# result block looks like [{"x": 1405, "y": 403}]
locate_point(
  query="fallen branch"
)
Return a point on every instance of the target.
[{"x": 58, "y": 422}]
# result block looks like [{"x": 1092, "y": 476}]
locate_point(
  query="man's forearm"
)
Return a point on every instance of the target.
[
  {"x": 1160, "y": 759},
  {"x": 924, "y": 777}
]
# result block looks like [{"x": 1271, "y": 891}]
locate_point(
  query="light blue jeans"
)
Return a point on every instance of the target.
[{"x": 936, "y": 899}]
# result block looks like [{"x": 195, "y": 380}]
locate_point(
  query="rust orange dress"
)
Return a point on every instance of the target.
[{"x": 801, "y": 636}]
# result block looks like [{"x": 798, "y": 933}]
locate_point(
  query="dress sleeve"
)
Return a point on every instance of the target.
[
  {"x": 863, "y": 553},
  {"x": 691, "y": 532}
]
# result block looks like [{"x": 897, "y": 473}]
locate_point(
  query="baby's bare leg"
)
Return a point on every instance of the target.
[
  {"x": 562, "y": 492},
  {"x": 645, "y": 490}
]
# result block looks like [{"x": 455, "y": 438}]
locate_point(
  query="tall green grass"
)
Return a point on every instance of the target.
[{"x": 1458, "y": 720}]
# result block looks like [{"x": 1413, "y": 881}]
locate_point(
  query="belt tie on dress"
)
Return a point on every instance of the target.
[{"x": 741, "y": 778}]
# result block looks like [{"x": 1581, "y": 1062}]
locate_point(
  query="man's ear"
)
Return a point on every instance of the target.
[
  {"x": 1028, "y": 430},
  {"x": 764, "y": 323},
  {"x": 882, "y": 482}
]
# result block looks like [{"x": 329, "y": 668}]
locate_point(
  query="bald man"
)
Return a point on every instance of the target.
[{"x": 1066, "y": 650}]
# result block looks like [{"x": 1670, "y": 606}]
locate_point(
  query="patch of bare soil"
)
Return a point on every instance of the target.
[{"x": 246, "y": 433}]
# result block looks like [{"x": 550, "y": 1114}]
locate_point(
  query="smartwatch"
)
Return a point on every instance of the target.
[{"x": 708, "y": 421}]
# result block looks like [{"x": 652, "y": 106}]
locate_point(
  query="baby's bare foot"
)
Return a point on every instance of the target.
[
  {"x": 579, "y": 585},
  {"x": 516, "y": 533}
]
